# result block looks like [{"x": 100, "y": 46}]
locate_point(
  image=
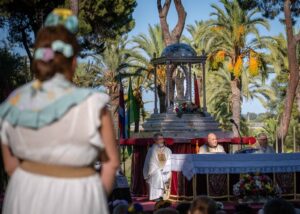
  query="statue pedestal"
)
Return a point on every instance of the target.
[
  {"x": 189, "y": 126},
  {"x": 170, "y": 110}
]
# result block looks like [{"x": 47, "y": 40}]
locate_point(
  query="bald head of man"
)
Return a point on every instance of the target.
[{"x": 212, "y": 140}]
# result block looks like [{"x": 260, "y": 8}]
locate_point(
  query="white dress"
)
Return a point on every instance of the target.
[{"x": 72, "y": 140}]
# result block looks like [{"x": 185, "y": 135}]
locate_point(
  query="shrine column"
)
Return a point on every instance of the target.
[
  {"x": 168, "y": 84},
  {"x": 190, "y": 82},
  {"x": 155, "y": 90}
]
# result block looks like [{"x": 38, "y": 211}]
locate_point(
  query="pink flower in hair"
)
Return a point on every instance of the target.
[{"x": 48, "y": 54}]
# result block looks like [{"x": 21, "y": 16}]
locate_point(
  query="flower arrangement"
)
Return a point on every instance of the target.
[
  {"x": 186, "y": 108},
  {"x": 255, "y": 188}
]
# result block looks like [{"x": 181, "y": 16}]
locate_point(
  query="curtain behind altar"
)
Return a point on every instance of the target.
[{"x": 138, "y": 185}]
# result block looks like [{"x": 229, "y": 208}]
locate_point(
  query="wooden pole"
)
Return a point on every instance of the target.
[{"x": 123, "y": 159}]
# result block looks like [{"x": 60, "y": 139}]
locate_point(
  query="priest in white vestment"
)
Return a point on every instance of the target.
[{"x": 157, "y": 168}]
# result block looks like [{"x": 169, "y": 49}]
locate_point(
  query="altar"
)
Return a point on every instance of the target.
[
  {"x": 193, "y": 174},
  {"x": 214, "y": 175}
]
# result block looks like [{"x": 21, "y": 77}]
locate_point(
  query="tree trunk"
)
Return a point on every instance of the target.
[
  {"x": 298, "y": 96},
  {"x": 137, "y": 123},
  {"x": 114, "y": 96},
  {"x": 163, "y": 12},
  {"x": 27, "y": 48},
  {"x": 174, "y": 36},
  {"x": 162, "y": 98},
  {"x": 139, "y": 105},
  {"x": 177, "y": 31},
  {"x": 293, "y": 78},
  {"x": 236, "y": 104}
]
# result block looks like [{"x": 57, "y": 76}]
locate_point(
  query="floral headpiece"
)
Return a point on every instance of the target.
[
  {"x": 58, "y": 16},
  {"x": 47, "y": 54},
  {"x": 62, "y": 16}
]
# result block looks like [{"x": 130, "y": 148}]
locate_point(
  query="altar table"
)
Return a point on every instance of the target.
[
  {"x": 215, "y": 174},
  {"x": 201, "y": 183}
]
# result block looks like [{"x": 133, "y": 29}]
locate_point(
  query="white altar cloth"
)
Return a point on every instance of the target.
[{"x": 191, "y": 164}]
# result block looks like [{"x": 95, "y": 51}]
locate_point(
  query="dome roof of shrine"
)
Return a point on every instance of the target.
[{"x": 178, "y": 50}]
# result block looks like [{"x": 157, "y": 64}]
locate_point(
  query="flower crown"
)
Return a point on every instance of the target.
[
  {"x": 59, "y": 16},
  {"x": 47, "y": 54},
  {"x": 62, "y": 16}
]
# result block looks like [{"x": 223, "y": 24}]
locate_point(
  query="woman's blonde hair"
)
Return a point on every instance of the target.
[{"x": 59, "y": 64}]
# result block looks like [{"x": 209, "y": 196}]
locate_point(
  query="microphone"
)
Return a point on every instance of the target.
[{"x": 233, "y": 121}]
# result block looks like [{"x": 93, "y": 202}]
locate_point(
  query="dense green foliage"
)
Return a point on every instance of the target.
[
  {"x": 99, "y": 21},
  {"x": 13, "y": 71}
]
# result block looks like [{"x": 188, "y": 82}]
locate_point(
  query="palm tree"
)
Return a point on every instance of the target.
[
  {"x": 219, "y": 94},
  {"x": 106, "y": 70},
  {"x": 199, "y": 38},
  {"x": 139, "y": 84},
  {"x": 278, "y": 59},
  {"x": 277, "y": 56},
  {"x": 255, "y": 88},
  {"x": 146, "y": 46},
  {"x": 112, "y": 65},
  {"x": 86, "y": 75},
  {"x": 270, "y": 127},
  {"x": 231, "y": 30}
]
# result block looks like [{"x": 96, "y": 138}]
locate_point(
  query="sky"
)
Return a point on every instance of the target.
[{"x": 146, "y": 13}]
